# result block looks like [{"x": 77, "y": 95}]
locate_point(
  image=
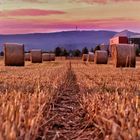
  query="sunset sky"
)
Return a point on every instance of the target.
[{"x": 29, "y": 16}]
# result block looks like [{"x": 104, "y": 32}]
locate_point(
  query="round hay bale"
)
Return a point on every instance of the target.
[
  {"x": 52, "y": 57},
  {"x": 90, "y": 57},
  {"x": 46, "y": 57},
  {"x": 125, "y": 55},
  {"x": 36, "y": 56},
  {"x": 14, "y": 54},
  {"x": 101, "y": 57},
  {"x": 112, "y": 47},
  {"x": 84, "y": 57},
  {"x": 27, "y": 57}
]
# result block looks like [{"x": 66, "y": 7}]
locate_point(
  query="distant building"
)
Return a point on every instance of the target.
[
  {"x": 119, "y": 40},
  {"x": 135, "y": 39},
  {"x": 115, "y": 41}
]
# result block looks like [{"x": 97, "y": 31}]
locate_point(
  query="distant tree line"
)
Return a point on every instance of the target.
[
  {"x": 75, "y": 53},
  {"x": 60, "y": 51}
]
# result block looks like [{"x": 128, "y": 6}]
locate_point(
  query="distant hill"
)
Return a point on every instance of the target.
[
  {"x": 126, "y": 33},
  {"x": 67, "y": 39}
]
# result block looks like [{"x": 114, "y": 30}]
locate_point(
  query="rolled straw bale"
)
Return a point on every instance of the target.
[
  {"x": 46, "y": 57},
  {"x": 36, "y": 56},
  {"x": 112, "y": 47},
  {"x": 52, "y": 56},
  {"x": 101, "y": 57},
  {"x": 84, "y": 57},
  {"x": 125, "y": 55},
  {"x": 14, "y": 54},
  {"x": 90, "y": 57},
  {"x": 27, "y": 57},
  {"x": 117, "y": 40}
]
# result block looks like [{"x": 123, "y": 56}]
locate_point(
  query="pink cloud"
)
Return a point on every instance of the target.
[
  {"x": 36, "y": 1},
  {"x": 104, "y": 1},
  {"x": 30, "y": 12},
  {"x": 26, "y": 26}
]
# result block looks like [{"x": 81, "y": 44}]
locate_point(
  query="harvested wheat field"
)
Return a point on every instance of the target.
[{"x": 69, "y": 100}]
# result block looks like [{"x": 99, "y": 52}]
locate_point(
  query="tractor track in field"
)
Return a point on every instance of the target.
[{"x": 67, "y": 120}]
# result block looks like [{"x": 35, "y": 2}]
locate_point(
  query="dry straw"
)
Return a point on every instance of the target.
[
  {"x": 27, "y": 57},
  {"x": 125, "y": 55},
  {"x": 14, "y": 54},
  {"x": 36, "y": 56},
  {"x": 85, "y": 57},
  {"x": 101, "y": 57},
  {"x": 90, "y": 57},
  {"x": 46, "y": 57},
  {"x": 52, "y": 56},
  {"x": 112, "y": 47}
]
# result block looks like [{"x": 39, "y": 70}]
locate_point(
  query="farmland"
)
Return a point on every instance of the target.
[{"x": 69, "y": 100}]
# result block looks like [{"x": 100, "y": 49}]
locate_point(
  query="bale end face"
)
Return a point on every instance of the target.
[
  {"x": 125, "y": 55},
  {"x": 14, "y": 54},
  {"x": 52, "y": 57},
  {"x": 90, "y": 58},
  {"x": 85, "y": 57},
  {"x": 36, "y": 56},
  {"x": 27, "y": 56},
  {"x": 101, "y": 57},
  {"x": 46, "y": 57}
]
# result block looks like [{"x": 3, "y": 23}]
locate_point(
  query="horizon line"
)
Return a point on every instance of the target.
[{"x": 67, "y": 31}]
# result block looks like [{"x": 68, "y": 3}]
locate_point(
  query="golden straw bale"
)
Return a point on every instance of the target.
[
  {"x": 101, "y": 57},
  {"x": 85, "y": 57},
  {"x": 13, "y": 54},
  {"x": 90, "y": 57},
  {"x": 46, "y": 57},
  {"x": 52, "y": 57},
  {"x": 112, "y": 47},
  {"x": 27, "y": 57},
  {"x": 36, "y": 56},
  {"x": 125, "y": 55}
]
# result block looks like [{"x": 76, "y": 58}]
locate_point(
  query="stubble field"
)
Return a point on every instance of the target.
[{"x": 69, "y": 100}]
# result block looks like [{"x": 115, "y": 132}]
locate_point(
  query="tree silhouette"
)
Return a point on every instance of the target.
[
  {"x": 85, "y": 50},
  {"x": 57, "y": 51},
  {"x": 76, "y": 53},
  {"x": 96, "y": 48}
]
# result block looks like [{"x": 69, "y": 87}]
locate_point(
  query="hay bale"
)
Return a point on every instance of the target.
[
  {"x": 101, "y": 57},
  {"x": 90, "y": 57},
  {"x": 52, "y": 57},
  {"x": 36, "y": 56},
  {"x": 27, "y": 57},
  {"x": 125, "y": 55},
  {"x": 14, "y": 54},
  {"x": 112, "y": 49},
  {"x": 84, "y": 57},
  {"x": 115, "y": 41},
  {"x": 46, "y": 57}
]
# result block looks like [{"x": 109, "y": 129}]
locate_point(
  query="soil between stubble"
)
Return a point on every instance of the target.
[{"x": 66, "y": 117}]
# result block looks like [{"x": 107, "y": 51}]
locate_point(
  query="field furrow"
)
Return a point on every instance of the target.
[{"x": 66, "y": 119}]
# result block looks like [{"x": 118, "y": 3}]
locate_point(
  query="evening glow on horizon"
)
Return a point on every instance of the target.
[{"x": 31, "y": 16}]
